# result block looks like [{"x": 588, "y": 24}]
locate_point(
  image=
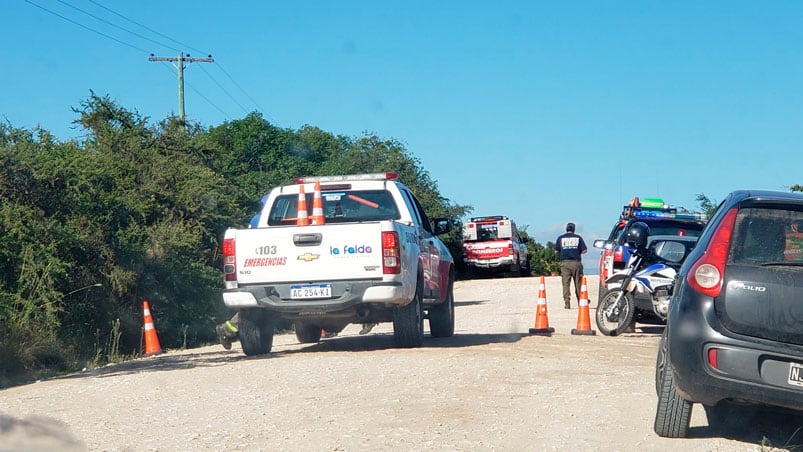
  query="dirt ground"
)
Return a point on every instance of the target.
[{"x": 490, "y": 387}]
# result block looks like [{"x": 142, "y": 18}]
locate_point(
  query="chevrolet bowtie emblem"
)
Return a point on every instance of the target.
[{"x": 308, "y": 257}]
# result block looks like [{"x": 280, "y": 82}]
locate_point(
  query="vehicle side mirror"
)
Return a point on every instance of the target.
[
  {"x": 603, "y": 244},
  {"x": 442, "y": 225},
  {"x": 668, "y": 250}
]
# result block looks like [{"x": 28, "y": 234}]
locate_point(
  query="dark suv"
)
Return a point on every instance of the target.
[
  {"x": 615, "y": 253},
  {"x": 734, "y": 332}
]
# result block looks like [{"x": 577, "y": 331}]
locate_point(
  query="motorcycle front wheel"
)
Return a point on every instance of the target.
[{"x": 615, "y": 312}]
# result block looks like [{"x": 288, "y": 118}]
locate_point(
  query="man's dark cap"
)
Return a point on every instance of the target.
[{"x": 570, "y": 227}]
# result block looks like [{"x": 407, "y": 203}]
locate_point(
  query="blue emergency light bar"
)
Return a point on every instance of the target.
[{"x": 666, "y": 214}]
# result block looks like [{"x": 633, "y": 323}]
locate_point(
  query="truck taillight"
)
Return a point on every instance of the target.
[
  {"x": 391, "y": 264},
  {"x": 229, "y": 262}
]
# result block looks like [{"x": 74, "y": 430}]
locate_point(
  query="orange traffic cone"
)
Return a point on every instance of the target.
[
  {"x": 301, "y": 218},
  {"x": 541, "y": 321},
  {"x": 317, "y": 205},
  {"x": 152, "y": 346},
  {"x": 583, "y": 317}
]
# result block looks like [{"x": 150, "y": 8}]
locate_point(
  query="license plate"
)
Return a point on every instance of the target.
[
  {"x": 311, "y": 291},
  {"x": 796, "y": 374}
]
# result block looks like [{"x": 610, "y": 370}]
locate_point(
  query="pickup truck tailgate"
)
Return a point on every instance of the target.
[{"x": 309, "y": 254}]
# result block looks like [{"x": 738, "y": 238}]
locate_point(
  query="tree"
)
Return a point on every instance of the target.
[
  {"x": 707, "y": 207},
  {"x": 543, "y": 259}
]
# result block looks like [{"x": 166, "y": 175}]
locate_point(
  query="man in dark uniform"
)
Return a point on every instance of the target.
[{"x": 570, "y": 248}]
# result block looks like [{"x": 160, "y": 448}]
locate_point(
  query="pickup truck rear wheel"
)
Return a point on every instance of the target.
[
  {"x": 306, "y": 333},
  {"x": 408, "y": 321},
  {"x": 441, "y": 316},
  {"x": 525, "y": 269},
  {"x": 256, "y": 331}
]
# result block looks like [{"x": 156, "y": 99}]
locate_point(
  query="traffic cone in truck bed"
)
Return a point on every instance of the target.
[
  {"x": 542, "y": 327},
  {"x": 301, "y": 218},
  {"x": 317, "y": 205},
  {"x": 583, "y": 317}
]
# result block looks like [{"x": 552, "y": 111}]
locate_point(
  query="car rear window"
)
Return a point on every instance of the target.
[
  {"x": 486, "y": 232},
  {"x": 668, "y": 227},
  {"x": 766, "y": 235},
  {"x": 338, "y": 207}
]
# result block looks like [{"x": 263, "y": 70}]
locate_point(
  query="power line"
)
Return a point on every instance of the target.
[
  {"x": 122, "y": 16},
  {"x": 223, "y": 89},
  {"x": 238, "y": 86},
  {"x": 86, "y": 28},
  {"x": 152, "y": 58},
  {"x": 147, "y": 28},
  {"x": 116, "y": 26}
]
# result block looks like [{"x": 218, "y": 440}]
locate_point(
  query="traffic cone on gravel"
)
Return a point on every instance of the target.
[
  {"x": 317, "y": 205},
  {"x": 583, "y": 317},
  {"x": 301, "y": 218},
  {"x": 542, "y": 327},
  {"x": 152, "y": 346}
]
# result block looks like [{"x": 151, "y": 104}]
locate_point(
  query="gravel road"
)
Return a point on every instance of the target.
[{"x": 490, "y": 387}]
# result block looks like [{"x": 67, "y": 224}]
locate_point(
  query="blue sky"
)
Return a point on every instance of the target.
[{"x": 547, "y": 112}]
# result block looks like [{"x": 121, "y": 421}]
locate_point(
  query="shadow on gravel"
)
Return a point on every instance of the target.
[
  {"x": 469, "y": 303},
  {"x": 366, "y": 343},
  {"x": 654, "y": 329},
  {"x": 645, "y": 331},
  {"x": 161, "y": 363},
  {"x": 765, "y": 427},
  {"x": 386, "y": 342}
]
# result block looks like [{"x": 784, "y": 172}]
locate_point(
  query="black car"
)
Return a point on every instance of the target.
[{"x": 734, "y": 333}]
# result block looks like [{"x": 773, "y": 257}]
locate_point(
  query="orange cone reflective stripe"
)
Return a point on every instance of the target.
[
  {"x": 317, "y": 205},
  {"x": 301, "y": 217}
]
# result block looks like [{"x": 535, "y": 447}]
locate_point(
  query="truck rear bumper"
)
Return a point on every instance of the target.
[
  {"x": 345, "y": 294},
  {"x": 491, "y": 263}
]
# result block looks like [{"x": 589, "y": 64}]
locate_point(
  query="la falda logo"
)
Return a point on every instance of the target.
[{"x": 350, "y": 250}]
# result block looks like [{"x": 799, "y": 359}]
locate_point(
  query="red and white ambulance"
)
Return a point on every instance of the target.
[{"x": 492, "y": 244}]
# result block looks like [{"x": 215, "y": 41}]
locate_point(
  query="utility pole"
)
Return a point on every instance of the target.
[{"x": 180, "y": 66}]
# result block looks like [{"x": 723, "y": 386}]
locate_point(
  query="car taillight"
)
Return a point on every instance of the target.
[
  {"x": 391, "y": 264},
  {"x": 229, "y": 260},
  {"x": 706, "y": 275},
  {"x": 712, "y": 357},
  {"x": 619, "y": 254},
  {"x": 510, "y": 248}
]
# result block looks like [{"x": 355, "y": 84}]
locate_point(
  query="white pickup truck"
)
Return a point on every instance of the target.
[{"x": 376, "y": 258}]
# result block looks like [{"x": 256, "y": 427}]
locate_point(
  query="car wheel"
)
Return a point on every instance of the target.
[
  {"x": 673, "y": 414},
  {"x": 441, "y": 316},
  {"x": 306, "y": 333},
  {"x": 408, "y": 321},
  {"x": 660, "y": 364},
  {"x": 256, "y": 331}
]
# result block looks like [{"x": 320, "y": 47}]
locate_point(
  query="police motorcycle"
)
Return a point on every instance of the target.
[{"x": 650, "y": 271}]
